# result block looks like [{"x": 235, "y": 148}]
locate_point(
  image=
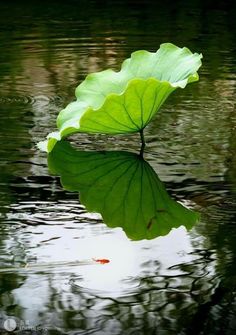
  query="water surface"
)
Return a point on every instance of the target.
[{"x": 180, "y": 283}]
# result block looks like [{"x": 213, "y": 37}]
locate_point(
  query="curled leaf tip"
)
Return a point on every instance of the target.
[
  {"x": 50, "y": 142},
  {"x": 42, "y": 146}
]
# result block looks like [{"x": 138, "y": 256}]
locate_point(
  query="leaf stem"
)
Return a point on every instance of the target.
[{"x": 143, "y": 144}]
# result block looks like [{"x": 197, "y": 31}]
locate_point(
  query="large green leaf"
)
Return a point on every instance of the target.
[
  {"x": 121, "y": 186},
  {"x": 121, "y": 102}
]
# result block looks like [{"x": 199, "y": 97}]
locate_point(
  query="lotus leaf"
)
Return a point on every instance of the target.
[{"x": 110, "y": 102}]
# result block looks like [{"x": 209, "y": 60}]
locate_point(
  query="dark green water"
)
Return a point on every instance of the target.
[{"x": 181, "y": 283}]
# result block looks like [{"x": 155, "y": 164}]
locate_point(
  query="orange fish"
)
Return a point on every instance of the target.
[{"x": 101, "y": 261}]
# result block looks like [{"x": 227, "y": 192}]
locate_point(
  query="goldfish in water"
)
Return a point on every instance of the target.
[{"x": 101, "y": 260}]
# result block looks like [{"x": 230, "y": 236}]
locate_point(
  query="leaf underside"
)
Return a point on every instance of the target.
[
  {"x": 110, "y": 102},
  {"x": 123, "y": 188}
]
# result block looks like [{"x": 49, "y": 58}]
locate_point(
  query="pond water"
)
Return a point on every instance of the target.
[{"x": 183, "y": 282}]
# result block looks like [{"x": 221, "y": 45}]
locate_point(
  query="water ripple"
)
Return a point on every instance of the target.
[
  {"x": 36, "y": 100},
  {"x": 44, "y": 213},
  {"x": 125, "y": 288}
]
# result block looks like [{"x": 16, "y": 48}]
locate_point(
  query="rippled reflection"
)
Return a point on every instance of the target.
[{"x": 121, "y": 186}]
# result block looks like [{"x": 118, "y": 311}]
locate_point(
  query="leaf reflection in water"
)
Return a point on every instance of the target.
[{"x": 123, "y": 188}]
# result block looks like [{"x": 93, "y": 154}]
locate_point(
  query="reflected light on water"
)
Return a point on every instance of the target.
[
  {"x": 108, "y": 277},
  {"x": 129, "y": 260}
]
